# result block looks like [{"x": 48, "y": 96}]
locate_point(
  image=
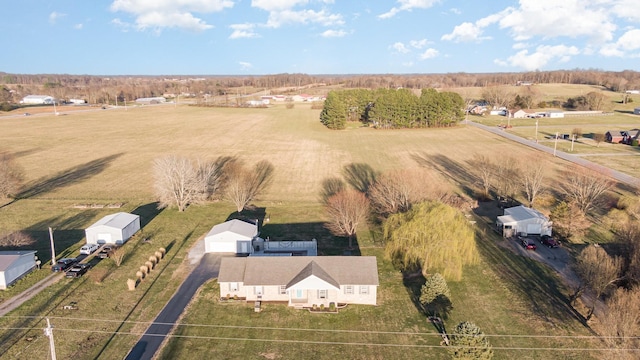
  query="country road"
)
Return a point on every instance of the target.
[{"x": 617, "y": 175}]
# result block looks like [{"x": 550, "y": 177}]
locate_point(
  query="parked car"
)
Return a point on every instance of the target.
[
  {"x": 549, "y": 242},
  {"x": 105, "y": 252},
  {"x": 63, "y": 264},
  {"x": 77, "y": 270},
  {"x": 528, "y": 244},
  {"x": 88, "y": 249}
]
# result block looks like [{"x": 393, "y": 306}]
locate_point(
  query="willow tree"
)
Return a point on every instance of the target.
[{"x": 433, "y": 237}]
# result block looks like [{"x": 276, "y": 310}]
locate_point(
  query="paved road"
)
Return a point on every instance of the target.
[
  {"x": 157, "y": 332},
  {"x": 619, "y": 176}
]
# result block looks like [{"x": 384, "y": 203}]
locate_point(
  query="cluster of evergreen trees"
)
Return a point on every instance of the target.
[{"x": 392, "y": 109}]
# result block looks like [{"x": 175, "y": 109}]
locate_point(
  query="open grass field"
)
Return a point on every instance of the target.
[{"x": 106, "y": 156}]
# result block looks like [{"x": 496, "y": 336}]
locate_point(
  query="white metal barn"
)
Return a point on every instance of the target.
[
  {"x": 14, "y": 265},
  {"x": 113, "y": 229},
  {"x": 523, "y": 220},
  {"x": 233, "y": 236},
  {"x": 37, "y": 99}
]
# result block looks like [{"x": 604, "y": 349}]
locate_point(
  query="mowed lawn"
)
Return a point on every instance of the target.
[{"x": 106, "y": 156}]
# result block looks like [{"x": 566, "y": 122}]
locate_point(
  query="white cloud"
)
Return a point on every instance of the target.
[
  {"x": 419, "y": 44},
  {"x": 543, "y": 55},
  {"x": 465, "y": 32},
  {"x": 243, "y": 31},
  {"x": 279, "y": 18},
  {"x": 282, "y": 12},
  {"x": 627, "y": 42},
  {"x": 408, "y": 5},
  {"x": 124, "y": 26},
  {"x": 54, "y": 16},
  {"x": 158, "y": 14},
  {"x": 455, "y": 11},
  {"x": 245, "y": 65},
  {"x": 552, "y": 18},
  {"x": 520, "y": 45},
  {"x": 333, "y": 33},
  {"x": 429, "y": 54},
  {"x": 400, "y": 47},
  {"x": 78, "y": 26}
]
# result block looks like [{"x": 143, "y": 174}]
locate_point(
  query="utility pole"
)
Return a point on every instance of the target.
[
  {"x": 555, "y": 145},
  {"x": 48, "y": 332},
  {"x": 53, "y": 249},
  {"x": 573, "y": 139},
  {"x": 536, "y": 130}
]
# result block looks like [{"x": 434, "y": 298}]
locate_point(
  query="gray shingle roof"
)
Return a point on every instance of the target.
[
  {"x": 8, "y": 257},
  {"x": 340, "y": 270},
  {"x": 236, "y": 226},
  {"x": 118, "y": 220}
]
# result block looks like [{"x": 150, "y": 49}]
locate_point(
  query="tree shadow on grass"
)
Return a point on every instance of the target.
[
  {"x": 534, "y": 281},
  {"x": 147, "y": 213},
  {"x": 360, "y": 176},
  {"x": 67, "y": 177},
  {"x": 451, "y": 169}
]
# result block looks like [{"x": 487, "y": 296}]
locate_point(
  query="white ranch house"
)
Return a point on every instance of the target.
[
  {"x": 14, "y": 265},
  {"x": 113, "y": 229},
  {"x": 301, "y": 281},
  {"x": 523, "y": 220}
]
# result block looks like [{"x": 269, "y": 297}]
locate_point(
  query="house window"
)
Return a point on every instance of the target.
[
  {"x": 322, "y": 294},
  {"x": 364, "y": 289},
  {"x": 348, "y": 289},
  {"x": 257, "y": 290},
  {"x": 233, "y": 286},
  {"x": 283, "y": 289}
]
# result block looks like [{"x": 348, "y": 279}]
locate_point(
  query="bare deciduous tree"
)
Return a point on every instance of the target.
[
  {"x": 397, "y": 190},
  {"x": 484, "y": 169},
  {"x": 532, "y": 177},
  {"x": 498, "y": 96},
  {"x": 16, "y": 239},
  {"x": 346, "y": 211},
  {"x": 506, "y": 177},
  {"x": 117, "y": 255},
  {"x": 584, "y": 186},
  {"x": 244, "y": 184},
  {"x": 598, "y": 271},
  {"x": 11, "y": 176},
  {"x": 621, "y": 322},
  {"x": 181, "y": 182},
  {"x": 598, "y": 138}
]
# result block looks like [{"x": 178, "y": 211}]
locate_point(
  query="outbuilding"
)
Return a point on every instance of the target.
[
  {"x": 614, "y": 136},
  {"x": 14, "y": 265},
  {"x": 113, "y": 229},
  {"x": 38, "y": 100},
  {"x": 233, "y": 236},
  {"x": 636, "y": 111},
  {"x": 554, "y": 114},
  {"x": 523, "y": 220}
]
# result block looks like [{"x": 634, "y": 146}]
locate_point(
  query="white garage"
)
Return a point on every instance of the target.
[
  {"x": 113, "y": 229},
  {"x": 14, "y": 265},
  {"x": 233, "y": 236},
  {"x": 523, "y": 220}
]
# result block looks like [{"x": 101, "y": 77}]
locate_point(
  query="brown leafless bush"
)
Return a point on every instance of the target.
[{"x": 16, "y": 239}]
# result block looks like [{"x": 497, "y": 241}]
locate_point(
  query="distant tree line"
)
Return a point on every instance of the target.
[{"x": 392, "y": 109}]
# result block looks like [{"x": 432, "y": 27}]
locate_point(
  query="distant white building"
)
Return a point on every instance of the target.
[
  {"x": 14, "y": 265},
  {"x": 78, "y": 101},
  {"x": 636, "y": 111},
  {"x": 151, "y": 100},
  {"x": 633, "y": 91},
  {"x": 554, "y": 114},
  {"x": 38, "y": 100}
]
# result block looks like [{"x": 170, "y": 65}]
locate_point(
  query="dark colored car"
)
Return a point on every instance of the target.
[
  {"x": 527, "y": 244},
  {"x": 548, "y": 241},
  {"x": 77, "y": 270},
  {"x": 63, "y": 264}
]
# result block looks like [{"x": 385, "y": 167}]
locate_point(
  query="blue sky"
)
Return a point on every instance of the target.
[{"x": 259, "y": 37}]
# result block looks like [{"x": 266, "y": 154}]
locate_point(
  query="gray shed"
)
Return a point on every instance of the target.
[
  {"x": 113, "y": 229},
  {"x": 14, "y": 265}
]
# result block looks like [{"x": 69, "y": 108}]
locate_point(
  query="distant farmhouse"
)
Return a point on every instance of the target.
[
  {"x": 77, "y": 101},
  {"x": 628, "y": 137},
  {"x": 37, "y": 100}
]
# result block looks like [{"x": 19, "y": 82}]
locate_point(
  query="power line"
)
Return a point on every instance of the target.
[
  {"x": 323, "y": 330},
  {"x": 202, "y": 337}
]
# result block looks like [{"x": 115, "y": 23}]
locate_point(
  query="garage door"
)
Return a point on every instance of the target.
[
  {"x": 535, "y": 229},
  {"x": 103, "y": 238},
  {"x": 219, "y": 247}
]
